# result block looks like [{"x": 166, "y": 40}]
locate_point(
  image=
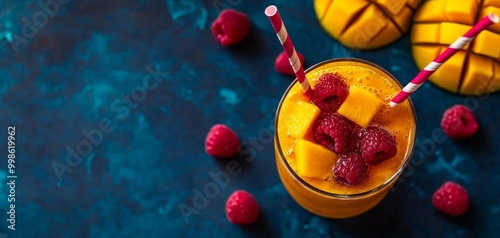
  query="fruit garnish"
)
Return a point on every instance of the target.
[
  {"x": 313, "y": 160},
  {"x": 329, "y": 93},
  {"x": 304, "y": 116},
  {"x": 333, "y": 131},
  {"x": 360, "y": 106},
  {"x": 350, "y": 169},
  {"x": 377, "y": 145}
]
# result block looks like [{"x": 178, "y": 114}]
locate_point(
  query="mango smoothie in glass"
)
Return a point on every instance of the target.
[{"x": 307, "y": 165}]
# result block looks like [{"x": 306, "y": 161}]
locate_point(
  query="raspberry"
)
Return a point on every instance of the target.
[
  {"x": 451, "y": 198},
  {"x": 354, "y": 141},
  {"x": 230, "y": 27},
  {"x": 282, "y": 64},
  {"x": 241, "y": 208},
  {"x": 221, "y": 142},
  {"x": 350, "y": 169},
  {"x": 329, "y": 93},
  {"x": 377, "y": 145},
  {"x": 333, "y": 132},
  {"x": 458, "y": 122}
]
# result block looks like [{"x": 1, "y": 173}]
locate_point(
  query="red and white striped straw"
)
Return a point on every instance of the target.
[
  {"x": 460, "y": 43},
  {"x": 286, "y": 42}
]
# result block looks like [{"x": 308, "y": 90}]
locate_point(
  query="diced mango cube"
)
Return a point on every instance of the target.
[
  {"x": 400, "y": 19},
  {"x": 413, "y": 3},
  {"x": 313, "y": 160},
  {"x": 424, "y": 54},
  {"x": 360, "y": 106},
  {"x": 367, "y": 26},
  {"x": 304, "y": 116},
  {"x": 394, "y": 7},
  {"x": 495, "y": 81},
  {"x": 450, "y": 32},
  {"x": 484, "y": 42},
  {"x": 341, "y": 12},
  {"x": 478, "y": 73},
  {"x": 436, "y": 14},
  {"x": 425, "y": 33},
  {"x": 461, "y": 13},
  {"x": 488, "y": 3},
  {"x": 390, "y": 29},
  {"x": 495, "y": 10},
  {"x": 449, "y": 73}
]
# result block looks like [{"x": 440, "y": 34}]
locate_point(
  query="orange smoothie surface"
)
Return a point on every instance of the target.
[{"x": 399, "y": 121}]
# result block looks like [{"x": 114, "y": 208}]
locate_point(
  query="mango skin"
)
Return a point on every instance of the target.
[
  {"x": 474, "y": 70},
  {"x": 363, "y": 24}
]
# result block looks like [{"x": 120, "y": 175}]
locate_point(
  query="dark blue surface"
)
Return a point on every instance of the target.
[{"x": 75, "y": 73}]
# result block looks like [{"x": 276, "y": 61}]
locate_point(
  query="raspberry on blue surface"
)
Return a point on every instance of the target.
[
  {"x": 241, "y": 208},
  {"x": 451, "y": 199},
  {"x": 230, "y": 27},
  {"x": 282, "y": 63},
  {"x": 458, "y": 122},
  {"x": 221, "y": 142}
]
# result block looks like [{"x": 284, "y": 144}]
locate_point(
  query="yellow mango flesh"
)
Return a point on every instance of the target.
[
  {"x": 494, "y": 84},
  {"x": 360, "y": 106},
  {"x": 369, "y": 24},
  {"x": 488, "y": 10},
  {"x": 345, "y": 9},
  {"x": 450, "y": 32},
  {"x": 304, "y": 115},
  {"x": 484, "y": 42},
  {"x": 449, "y": 72},
  {"x": 461, "y": 13},
  {"x": 477, "y": 74},
  {"x": 313, "y": 160},
  {"x": 364, "y": 24},
  {"x": 437, "y": 24}
]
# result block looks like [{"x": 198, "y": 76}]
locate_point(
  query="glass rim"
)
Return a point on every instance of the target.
[{"x": 354, "y": 195}]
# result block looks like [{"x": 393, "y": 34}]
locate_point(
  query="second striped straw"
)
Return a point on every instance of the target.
[{"x": 460, "y": 43}]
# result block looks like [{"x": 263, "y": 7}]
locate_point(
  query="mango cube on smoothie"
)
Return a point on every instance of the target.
[
  {"x": 304, "y": 116},
  {"x": 360, "y": 106},
  {"x": 313, "y": 160}
]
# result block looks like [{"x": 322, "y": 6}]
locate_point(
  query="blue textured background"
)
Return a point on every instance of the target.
[{"x": 80, "y": 66}]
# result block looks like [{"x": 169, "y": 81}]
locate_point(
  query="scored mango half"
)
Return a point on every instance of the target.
[
  {"x": 474, "y": 70},
  {"x": 365, "y": 24},
  {"x": 313, "y": 160}
]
